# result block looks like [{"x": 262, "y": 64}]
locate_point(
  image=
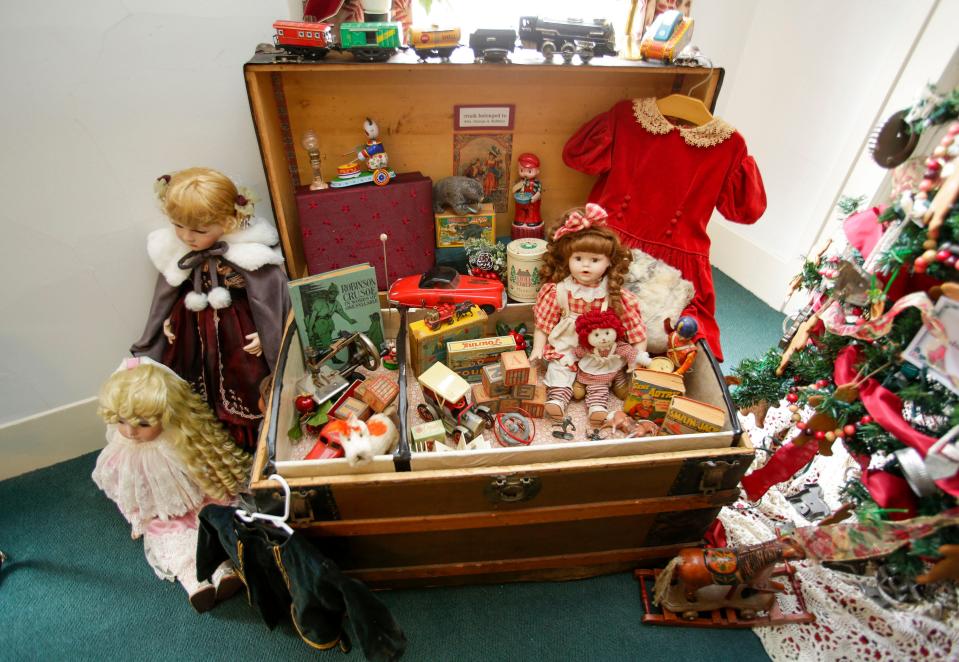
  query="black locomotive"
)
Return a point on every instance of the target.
[{"x": 569, "y": 37}]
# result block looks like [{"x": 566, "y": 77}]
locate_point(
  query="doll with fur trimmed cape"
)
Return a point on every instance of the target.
[{"x": 221, "y": 296}]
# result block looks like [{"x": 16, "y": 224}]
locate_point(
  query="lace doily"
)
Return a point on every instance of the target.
[
  {"x": 709, "y": 134},
  {"x": 849, "y": 624}
]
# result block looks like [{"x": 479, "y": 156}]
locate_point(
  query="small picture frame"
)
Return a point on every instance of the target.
[{"x": 936, "y": 346}]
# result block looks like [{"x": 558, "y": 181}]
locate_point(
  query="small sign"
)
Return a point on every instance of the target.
[{"x": 480, "y": 118}]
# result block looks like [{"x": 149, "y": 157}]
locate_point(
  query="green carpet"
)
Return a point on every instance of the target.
[{"x": 77, "y": 587}]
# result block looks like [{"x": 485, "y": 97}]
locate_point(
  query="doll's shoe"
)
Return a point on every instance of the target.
[
  {"x": 554, "y": 410},
  {"x": 203, "y": 598},
  {"x": 227, "y": 583},
  {"x": 597, "y": 416}
]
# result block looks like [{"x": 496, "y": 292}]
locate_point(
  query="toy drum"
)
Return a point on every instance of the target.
[{"x": 524, "y": 257}]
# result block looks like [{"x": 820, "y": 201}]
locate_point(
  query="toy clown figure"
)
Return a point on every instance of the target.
[
  {"x": 374, "y": 153},
  {"x": 528, "y": 191}
]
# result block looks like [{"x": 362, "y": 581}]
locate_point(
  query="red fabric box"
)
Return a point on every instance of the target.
[{"x": 342, "y": 226}]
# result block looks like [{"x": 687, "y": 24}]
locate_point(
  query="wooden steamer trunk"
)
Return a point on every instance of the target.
[{"x": 558, "y": 511}]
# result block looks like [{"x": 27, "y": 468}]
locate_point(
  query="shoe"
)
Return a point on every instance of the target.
[
  {"x": 227, "y": 582},
  {"x": 203, "y": 598},
  {"x": 554, "y": 410},
  {"x": 597, "y": 416}
]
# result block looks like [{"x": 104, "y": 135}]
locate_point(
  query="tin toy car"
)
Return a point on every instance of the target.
[
  {"x": 434, "y": 42},
  {"x": 490, "y": 45},
  {"x": 311, "y": 41},
  {"x": 443, "y": 284},
  {"x": 444, "y": 393}
]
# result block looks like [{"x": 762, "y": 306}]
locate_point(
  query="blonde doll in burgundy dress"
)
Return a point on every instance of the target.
[
  {"x": 166, "y": 457},
  {"x": 584, "y": 268},
  {"x": 221, "y": 296}
]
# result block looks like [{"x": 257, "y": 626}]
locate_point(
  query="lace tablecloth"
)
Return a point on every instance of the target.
[{"x": 849, "y": 624}]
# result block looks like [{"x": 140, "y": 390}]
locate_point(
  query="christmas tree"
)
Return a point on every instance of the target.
[{"x": 872, "y": 360}]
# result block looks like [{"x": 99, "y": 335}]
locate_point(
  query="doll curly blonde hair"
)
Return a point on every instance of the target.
[
  {"x": 199, "y": 197},
  {"x": 153, "y": 395},
  {"x": 595, "y": 239}
]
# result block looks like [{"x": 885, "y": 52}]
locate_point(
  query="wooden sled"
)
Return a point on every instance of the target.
[{"x": 712, "y": 611}]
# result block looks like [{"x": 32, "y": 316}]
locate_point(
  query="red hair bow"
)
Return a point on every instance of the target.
[{"x": 595, "y": 216}]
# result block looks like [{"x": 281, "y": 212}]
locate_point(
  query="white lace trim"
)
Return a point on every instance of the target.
[
  {"x": 585, "y": 292},
  {"x": 849, "y": 624},
  {"x": 709, "y": 134},
  {"x": 146, "y": 480}
]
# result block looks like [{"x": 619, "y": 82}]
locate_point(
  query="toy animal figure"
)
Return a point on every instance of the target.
[
  {"x": 461, "y": 194},
  {"x": 620, "y": 421},
  {"x": 750, "y": 566},
  {"x": 681, "y": 349},
  {"x": 376, "y": 436}
]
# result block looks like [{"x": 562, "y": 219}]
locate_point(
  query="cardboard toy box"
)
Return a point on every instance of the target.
[
  {"x": 556, "y": 511},
  {"x": 454, "y": 230}
]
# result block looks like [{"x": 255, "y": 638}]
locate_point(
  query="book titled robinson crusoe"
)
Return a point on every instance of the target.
[
  {"x": 688, "y": 416},
  {"x": 342, "y": 300},
  {"x": 650, "y": 392}
]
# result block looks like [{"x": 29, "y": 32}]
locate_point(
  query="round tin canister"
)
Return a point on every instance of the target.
[{"x": 524, "y": 257}]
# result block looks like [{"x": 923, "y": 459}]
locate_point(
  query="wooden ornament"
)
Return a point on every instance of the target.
[
  {"x": 942, "y": 203},
  {"x": 823, "y": 422},
  {"x": 800, "y": 338},
  {"x": 946, "y": 568}
]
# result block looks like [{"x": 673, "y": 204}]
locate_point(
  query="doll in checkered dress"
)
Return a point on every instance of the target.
[
  {"x": 583, "y": 270},
  {"x": 602, "y": 355}
]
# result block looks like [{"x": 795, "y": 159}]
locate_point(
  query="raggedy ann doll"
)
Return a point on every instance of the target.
[
  {"x": 166, "y": 457},
  {"x": 602, "y": 354},
  {"x": 583, "y": 270},
  {"x": 221, "y": 296}
]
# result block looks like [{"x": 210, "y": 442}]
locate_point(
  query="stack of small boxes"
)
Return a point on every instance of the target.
[
  {"x": 372, "y": 396},
  {"x": 511, "y": 384}
]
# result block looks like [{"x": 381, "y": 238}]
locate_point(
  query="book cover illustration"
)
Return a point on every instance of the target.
[
  {"x": 485, "y": 157},
  {"x": 650, "y": 393},
  {"x": 328, "y": 304},
  {"x": 936, "y": 346},
  {"x": 688, "y": 416}
]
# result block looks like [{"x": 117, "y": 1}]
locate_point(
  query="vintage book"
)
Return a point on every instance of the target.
[
  {"x": 525, "y": 390},
  {"x": 453, "y": 230},
  {"x": 650, "y": 392},
  {"x": 428, "y": 346},
  {"x": 328, "y": 304},
  {"x": 379, "y": 392},
  {"x": 342, "y": 226},
  {"x": 536, "y": 405},
  {"x": 515, "y": 367},
  {"x": 482, "y": 397},
  {"x": 492, "y": 375},
  {"x": 467, "y": 357},
  {"x": 688, "y": 416}
]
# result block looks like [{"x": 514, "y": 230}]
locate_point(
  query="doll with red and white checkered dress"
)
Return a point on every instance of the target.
[{"x": 584, "y": 269}]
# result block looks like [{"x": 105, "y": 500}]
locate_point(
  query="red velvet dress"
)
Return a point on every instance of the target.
[{"x": 660, "y": 184}]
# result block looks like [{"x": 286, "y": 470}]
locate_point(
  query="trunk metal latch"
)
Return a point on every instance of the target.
[
  {"x": 512, "y": 488},
  {"x": 714, "y": 471}
]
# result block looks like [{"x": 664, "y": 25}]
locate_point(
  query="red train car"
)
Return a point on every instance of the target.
[{"x": 310, "y": 40}]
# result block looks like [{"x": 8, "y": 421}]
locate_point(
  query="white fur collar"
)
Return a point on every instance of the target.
[
  {"x": 585, "y": 292},
  {"x": 250, "y": 248}
]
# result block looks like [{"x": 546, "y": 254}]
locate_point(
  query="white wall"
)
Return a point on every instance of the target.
[
  {"x": 103, "y": 96},
  {"x": 807, "y": 92}
]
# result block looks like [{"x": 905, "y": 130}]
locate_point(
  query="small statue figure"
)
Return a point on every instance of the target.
[
  {"x": 565, "y": 426},
  {"x": 681, "y": 349},
  {"x": 312, "y": 146},
  {"x": 528, "y": 191},
  {"x": 374, "y": 153}
]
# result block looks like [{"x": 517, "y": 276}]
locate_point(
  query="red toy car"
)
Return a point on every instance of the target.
[{"x": 443, "y": 284}]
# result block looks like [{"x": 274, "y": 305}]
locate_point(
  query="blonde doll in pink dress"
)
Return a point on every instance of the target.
[
  {"x": 166, "y": 457},
  {"x": 583, "y": 270}
]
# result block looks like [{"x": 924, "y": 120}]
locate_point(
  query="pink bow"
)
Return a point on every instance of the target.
[{"x": 595, "y": 216}]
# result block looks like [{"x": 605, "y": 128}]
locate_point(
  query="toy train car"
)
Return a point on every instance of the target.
[
  {"x": 434, "y": 42},
  {"x": 308, "y": 40},
  {"x": 492, "y": 45},
  {"x": 569, "y": 37},
  {"x": 371, "y": 41}
]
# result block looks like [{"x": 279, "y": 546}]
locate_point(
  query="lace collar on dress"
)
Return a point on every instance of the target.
[
  {"x": 709, "y": 134},
  {"x": 588, "y": 293}
]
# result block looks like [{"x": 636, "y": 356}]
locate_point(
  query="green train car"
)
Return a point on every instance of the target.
[{"x": 371, "y": 42}]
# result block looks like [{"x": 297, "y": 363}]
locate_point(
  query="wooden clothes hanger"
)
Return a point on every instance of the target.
[{"x": 685, "y": 107}]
